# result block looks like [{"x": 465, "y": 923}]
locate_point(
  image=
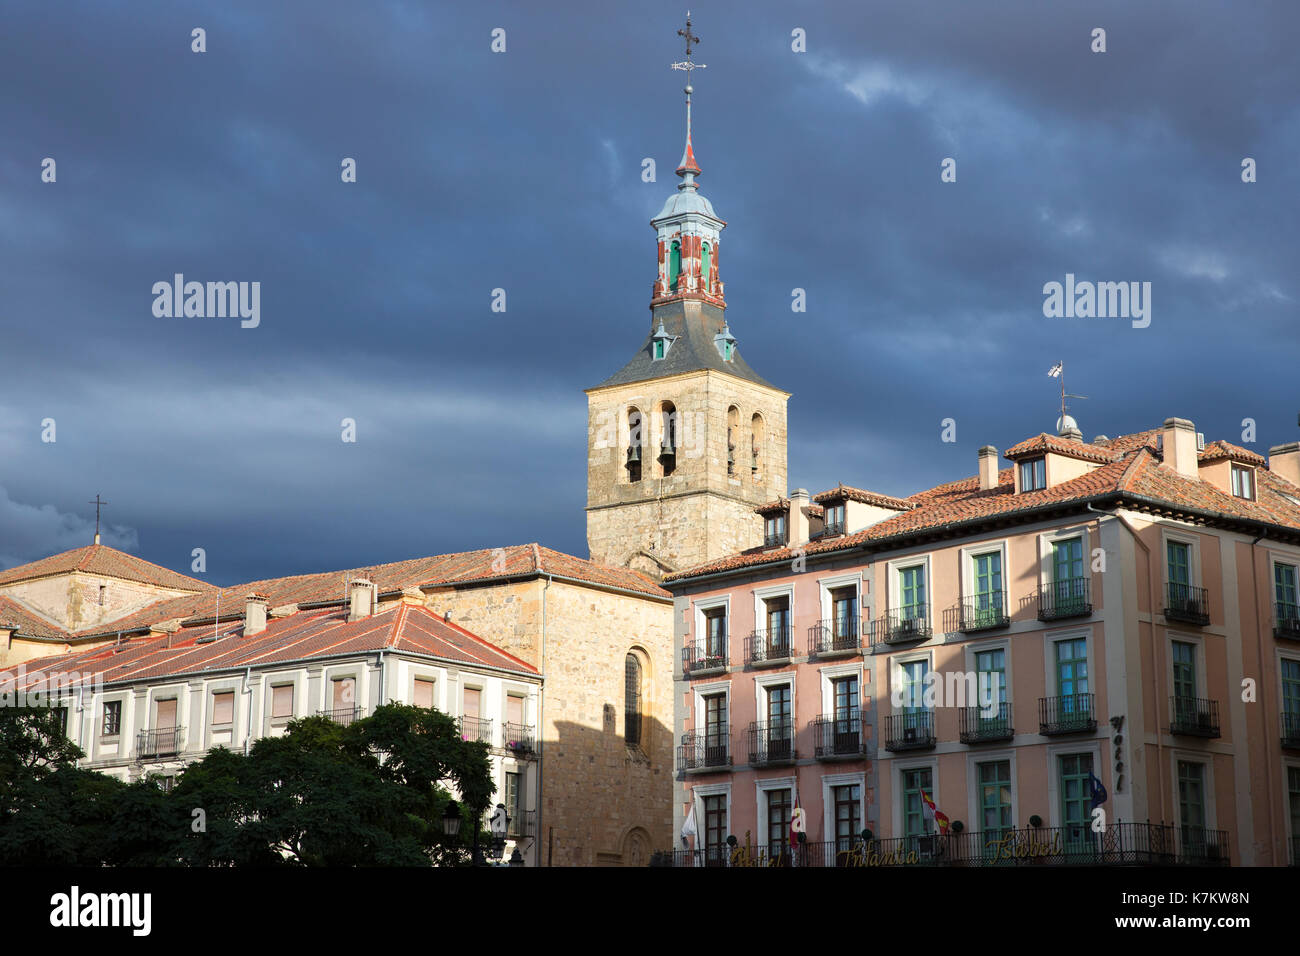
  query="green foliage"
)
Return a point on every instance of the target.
[{"x": 368, "y": 794}]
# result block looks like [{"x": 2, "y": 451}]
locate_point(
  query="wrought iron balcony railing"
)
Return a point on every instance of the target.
[
  {"x": 1291, "y": 730},
  {"x": 704, "y": 657},
  {"x": 832, "y": 529},
  {"x": 910, "y": 731},
  {"x": 704, "y": 751},
  {"x": 771, "y": 743},
  {"x": 1286, "y": 621},
  {"x": 901, "y": 625},
  {"x": 522, "y": 824},
  {"x": 1187, "y": 604},
  {"x": 1071, "y": 714},
  {"x": 476, "y": 728},
  {"x": 834, "y": 636},
  {"x": 984, "y": 612},
  {"x": 774, "y": 539},
  {"x": 343, "y": 716},
  {"x": 770, "y": 646},
  {"x": 519, "y": 739},
  {"x": 165, "y": 742},
  {"x": 1119, "y": 844},
  {"x": 838, "y": 738},
  {"x": 1069, "y": 597},
  {"x": 977, "y": 728},
  {"x": 1193, "y": 717}
]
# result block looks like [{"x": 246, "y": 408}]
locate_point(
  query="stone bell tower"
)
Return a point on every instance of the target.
[{"x": 686, "y": 439}]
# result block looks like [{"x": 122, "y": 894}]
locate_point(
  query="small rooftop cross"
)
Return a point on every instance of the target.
[
  {"x": 691, "y": 40},
  {"x": 98, "y": 503}
]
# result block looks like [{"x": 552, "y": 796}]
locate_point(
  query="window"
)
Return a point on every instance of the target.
[
  {"x": 758, "y": 439},
  {"x": 165, "y": 784},
  {"x": 780, "y": 726},
  {"x": 911, "y": 587},
  {"x": 1284, "y": 587},
  {"x": 1076, "y": 799},
  {"x": 715, "y": 730},
  {"x": 835, "y": 518},
  {"x": 1069, "y": 586},
  {"x": 659, "y": 348},
  {"x": 848, "y": 814},
  {"x": 728, "y": 350},
  {"x": 715, "y": 636},
  {"x": 715, "y": 828},
  {"x": 343, "y": 695},
  {"x": 165, "y": 715},
  {"x": 778, "y": 821},
  {"x": 668, "y": 441},
  {"x": 1243, "y": 481},
  {"x": 1033, "y": 474},
  {"x": 774, "y": 531},
  {"x": 1071, "y": 668},
  {"x": 515, "y": 824},
  {"x": 1180, "y": 563},
  {"x": 704, "y": 268},
  {"x": 112, "y": 725},
  {"x": 988, "y": 588},
  {"x": 223, "y": 708},
  {"x": 1191, "y": 802},
  {"x": 674, "y": 264},
  {"x": 1291, "y": 688},
  {"x": 1293, "y": 799},
  {"x": 634, "y": 445},
  {"x": 1184, "y": 660},
  {"x": 632, "y": 701},
  {"x": 847, "y": 727},
  {"x": 912, "y": 674},
  {"x": 422, "y": 695},
  {"x": 995, "y": 799},
  {"x": 515, "y": 709},
  {"x": 991, "y": 685},
  {"x": 777, "y": 611},
  {"x": 471, "y": 701},
  {"x": 282, "y": 701},
  {"x": 844, "y": 617},
  {"x": 914, "y": 783}
]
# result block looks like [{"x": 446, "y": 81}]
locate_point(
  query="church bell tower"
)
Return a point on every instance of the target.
[{"x": 686, "y": 439}]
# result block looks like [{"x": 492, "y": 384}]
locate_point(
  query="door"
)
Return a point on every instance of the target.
[
  {"x": 916, "y": 716},
  {"x": 991, "y": 681},
  {"x": 847, "y": 726},
  {"x": 715, "y": 730},
  {"x": 1076, "y": 805},
  {"x": 780, "y": 743},
  {"x": 778, "y": 628},
  {"x": 1073, "y": 704},
  {"x": 844, "y": 621},
  {"x": 988, "y": 589},
  {"x": 1068, "y": 583}
]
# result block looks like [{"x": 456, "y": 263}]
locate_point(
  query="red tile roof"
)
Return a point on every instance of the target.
[
  {"x": 844, "y": 492},
  {"x": 299, "y": 637},
  {"x": 1044, "y": 442},
  {"x": 101, "y": 559},
  {"x": 1131, "y": 470},
  {"x": 1222, "y": 449},
  {"x": 26, "y": 622}
]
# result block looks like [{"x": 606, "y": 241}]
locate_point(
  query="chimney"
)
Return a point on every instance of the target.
[
  {"x": 1179, "y": 446},
  {"x": 797, "y": 527},
  {"x": 254, "y": 614},
  {"x": 1284, "y": 461},
  {"x": 363, "y": 599},
  {"x": 988, "y": 468}
]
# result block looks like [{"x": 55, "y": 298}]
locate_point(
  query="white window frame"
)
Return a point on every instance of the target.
[
  {"x": 269, "y": 684},
  {"x": 1206, "y": 760},
  {"x": 760, "y": 612},
  {"x": 1193, "y": 556},
  {"x": 894, "y": 570},
  {"x": 997, "y": 644},
  {"x": 343, "y": 672},
  {"x": 895, "y": 670},
  {"x": 699, "y": 633},
  {"x": 829, "y": 781},
  {"x": 1250, "y": 470},
  {"x": 432, "y": 677},
  {"x": 1056, "y": 751},
  {"x": 896, "y": 774},
  {"x": 698, "y": 793},
  {"x": 967, "y": 556},
  {"x": 761, "y": 787},
  {"x": 826, "y": 584},
  {"x": 974, "y": 805},
  {"x": 1198, "y": 642},
  {"x": 1050, "y": 640},
  {"x": 761, "y": 683},
  {"x": 712, "y": 690},
  {"x": 828, "y": 677},
  {"x": 1045, "y": 550}
]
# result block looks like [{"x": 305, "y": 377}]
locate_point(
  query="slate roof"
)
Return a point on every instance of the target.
[
  {"x": 299, "y": 637},
  {"x": 1132, "y": 472}
]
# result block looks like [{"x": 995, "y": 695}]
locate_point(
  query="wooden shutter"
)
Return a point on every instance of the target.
[
  {"x": 223, "y": 708},
  {"x": 424, "y": 693},
  {"x": 166, "y": 715}
]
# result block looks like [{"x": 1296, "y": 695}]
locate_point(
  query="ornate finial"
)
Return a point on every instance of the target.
[{"x": 688, "y": 169}]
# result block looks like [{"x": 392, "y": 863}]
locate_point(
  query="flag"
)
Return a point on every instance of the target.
[
  {"x": 1056, "y": 369},
  {"x": 688, "y": 828},
  {"x": 1099, "y": 794},
  {"x": 934, "y": 814}
]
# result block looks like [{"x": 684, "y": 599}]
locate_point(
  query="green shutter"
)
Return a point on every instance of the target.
[{"x": 674, "y": 265}]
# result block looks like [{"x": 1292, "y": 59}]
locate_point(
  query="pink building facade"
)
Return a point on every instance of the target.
[{"x": 1089, "y": 657}]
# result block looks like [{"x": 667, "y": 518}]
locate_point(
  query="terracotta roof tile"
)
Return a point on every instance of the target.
[
  {"x": 1216, "y": 450},
  {"x": 844, "y": 492},
  {"x": 101, "y": 559},
  {"x": 1061, "y": 446}
]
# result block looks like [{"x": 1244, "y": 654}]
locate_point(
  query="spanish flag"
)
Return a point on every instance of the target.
[{"x": 934, "y": 814}]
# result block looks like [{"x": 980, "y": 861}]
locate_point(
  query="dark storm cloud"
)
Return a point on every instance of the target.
[{"x": 522, "y": 171}]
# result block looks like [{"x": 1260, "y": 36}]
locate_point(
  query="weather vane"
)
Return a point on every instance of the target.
[{"x": 691, "y": 39}]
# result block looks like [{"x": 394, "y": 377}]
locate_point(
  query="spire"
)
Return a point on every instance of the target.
[{"x": 688, "y": 169}]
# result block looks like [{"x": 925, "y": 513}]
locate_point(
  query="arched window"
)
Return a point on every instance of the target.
[
  {"x": 733, "y": 436},
  {"x": 704, "y": 269},
  {"x": 758, "y": 442},
  {"x": 632, "y": 701},
  {"x": 668, "y": 437},
  {"x": 634, "y": 444},
  {"x": 674, "y": 264}
]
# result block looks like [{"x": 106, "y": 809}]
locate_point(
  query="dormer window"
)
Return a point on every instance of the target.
[
  {"x": 1033, "y": 474},
  {"x": 774, "y": 530},
  {"x": 661, "y": 342},
  {"x": 1243, "y": 481},
  {"x": 835, "y": 518},
  {"x": 725, "y": 343}
]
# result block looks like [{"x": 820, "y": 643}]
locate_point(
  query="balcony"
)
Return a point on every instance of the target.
[
  {"x": 155, "y": 744},
  {"x": 838, "y": 738},
  {"x": 343, "y": 716},
  {"x": 771, "y": 744},
  {"x": 520, "y": 740},
  {"x": 914, "y": 731},
  {"x": 774, "y": 539},
  {"x": 1286, "y": 622},
  {"x": 836, "y": 637},
  {"x": 476, "y": 728},
  {"x": 705, "y": 657},
  {"x": 1193, "y": 717},
  {"x": 903, "y": 626},
  {"x": 832, "y": 529},
  {"x": 1066, "y": 598},
  {"x": 1071, "y": 714},
  {"x": 768, "y": 648},
  {"x": 1187, "y": 604},
  {"x": 984, "y": 612},
  {"x": 1120, "y": 844},
  {"x": 704, "y": 752},
  {"x": 522, "y": 824},
  {"x": 976, "y": 728},
  {"x": 1291, "y": 730}
]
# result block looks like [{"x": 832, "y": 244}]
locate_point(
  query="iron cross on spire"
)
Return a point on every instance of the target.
[
  {"x": 98, "y": 503},
  {"x": 691, "y": 40}
]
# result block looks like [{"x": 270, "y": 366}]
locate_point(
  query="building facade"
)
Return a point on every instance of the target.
[{"x": 1115, "y": 613}]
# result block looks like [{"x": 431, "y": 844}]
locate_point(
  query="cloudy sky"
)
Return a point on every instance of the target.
[{"x": 522, "y": 170}]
